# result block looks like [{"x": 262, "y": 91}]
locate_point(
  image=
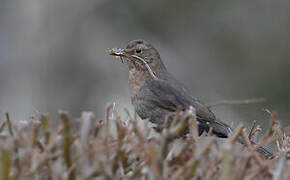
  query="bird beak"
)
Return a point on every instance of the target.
[{"x": 119, "y": 52}]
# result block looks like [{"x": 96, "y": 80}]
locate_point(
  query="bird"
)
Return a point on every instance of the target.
[{"x": 155, "y": 92}]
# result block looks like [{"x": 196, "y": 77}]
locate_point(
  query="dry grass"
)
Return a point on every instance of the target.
[{"x": 32, "y": 149}]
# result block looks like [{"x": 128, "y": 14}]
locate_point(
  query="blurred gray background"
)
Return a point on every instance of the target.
[{"x": 53, "y": 53}]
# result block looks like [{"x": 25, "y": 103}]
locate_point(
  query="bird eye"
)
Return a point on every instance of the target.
[{"x": 138, "y": 50}]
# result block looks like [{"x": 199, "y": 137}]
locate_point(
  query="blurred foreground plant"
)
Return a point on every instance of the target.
[{"x": 117, "y": 148}]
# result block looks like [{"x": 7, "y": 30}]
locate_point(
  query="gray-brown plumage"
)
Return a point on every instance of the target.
[{"x": 155, "y": 92}]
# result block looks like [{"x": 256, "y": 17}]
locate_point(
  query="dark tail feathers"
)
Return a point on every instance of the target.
[
  {"x": 260, "y": 150},
  {"x": 222, "y": 130}
]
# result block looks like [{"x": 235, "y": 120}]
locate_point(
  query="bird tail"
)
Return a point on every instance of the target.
[
  {"x": 262, "y": 150},
  {"x": 222, "y": 130}
]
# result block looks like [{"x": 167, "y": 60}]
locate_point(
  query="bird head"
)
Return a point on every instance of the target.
[{"x": 140, "y": 56}]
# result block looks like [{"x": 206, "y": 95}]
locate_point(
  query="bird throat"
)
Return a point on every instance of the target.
[
  {"x": 137, "y": 78},
  {"x": 140, "y": 73}
]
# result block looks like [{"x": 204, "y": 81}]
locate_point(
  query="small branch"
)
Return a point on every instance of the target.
[
  {"x": 237, "y": 134},
  {"x": 9, "y": 123},
  {"x": 6, "y": 165},
  {"x": 67, "y": 143},
  {"x": 278, "y": 173},
  {"x": 2, "y": 126},
  {"x": 237, "y": 102}
]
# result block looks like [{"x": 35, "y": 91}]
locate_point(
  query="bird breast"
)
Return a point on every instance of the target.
[{"x": 137, "y": 79}]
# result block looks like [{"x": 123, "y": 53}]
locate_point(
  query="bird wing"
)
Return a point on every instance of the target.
[{"x": 171, "y": 96}]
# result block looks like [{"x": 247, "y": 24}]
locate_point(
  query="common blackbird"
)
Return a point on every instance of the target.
[{"x": 155, "y": 92}]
